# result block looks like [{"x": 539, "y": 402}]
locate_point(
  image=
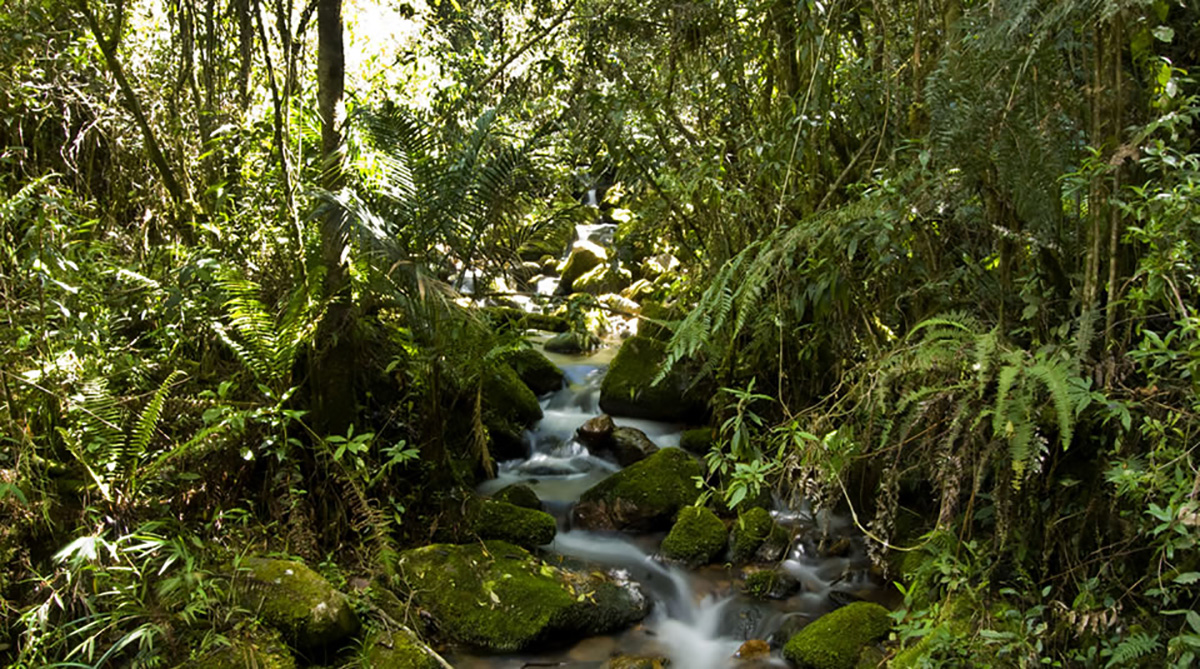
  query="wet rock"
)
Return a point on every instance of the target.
[
  {"x": 602, "y": 279},
  {"x": 519, "y": 494},
  {"x": 639, "y": 290},
  {"x": 593, "y": 649},
  {"x": 756, "y": 536},
  {"x": 637, "y": 662},
  {"x": 835, "y": 640},
  {"x": 630, "y": 445},
  {"x": 619, "y": 304},
  {"x": 628, "y": 388},
  {"x": 839, "y": 547},
  {"x": 535, "y": 370},
  {"x": 643, "y": 496},
  {"x": 754, "y": 649},
  {"x": 770, "y": 584},
  {"x": 498, "y": 597},
  {"x": 295, "y": 600},
  {"x": 519, "y": 319},
  {"x": 400, "y": 649},
  {"x": 596, "y": 432},
  {"x": 524, "y": 273},
  {"x": 491, "y": 519},
  {"x": 696, "y": 538},
  {"x": 261, "y": 649},
  {"x": 572, "y": 343},
  {"x": 584, "y": 256}
]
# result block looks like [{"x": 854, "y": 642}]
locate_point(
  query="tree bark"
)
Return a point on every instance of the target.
[{"x": 333, "y": 369}]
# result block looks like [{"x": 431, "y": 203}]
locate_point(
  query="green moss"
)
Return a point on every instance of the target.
[
  {"x": 751, "y": 529},
  {"x": 584, "y": 256},
  {"x": 509, "y": 317},
  {"x": 261, "y": 649},
  {"x": 509, "y": 406},
  {"x": 491, "y": 519},
  {"x": 698, "y": 441},
  {"x": 658, "y": 320},
  {"x": 297, "y": 601},
  {"x": 520, "y": 494},
  {"x": 603, "y": 279},
  {"x": 627, "y": 389},
  {"x": 646, "y": 494},
  {"x": 400, "y": 649},
  {"x": 632, "y": 662},
  {"x": 535, "y": 370},
  {"x": 761, "y": 584},
  {"x": 834, "y": 640},
  {"x": 697, "y": 537},
  {"x": 572, "y": 343},
  {"x": 499, "y": 597}
]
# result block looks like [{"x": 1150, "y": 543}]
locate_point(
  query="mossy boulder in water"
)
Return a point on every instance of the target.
[
  {"x": 400, "y": 649},
  {"x": 295, "y": 600},
  {"x": 637, "y": 662},
  {"x": 698, "y": 441},
  {"x": 535, "y": 370},
  {"x": 520, "y": 494},
  {"x": 511, "y": 317},
  {"x": 834, "y": 640},
  {"x": 491, "y": 519},
  {"x": 583, "y": 257},
  {"x": 658, "y": 320},
  {"x": 572, "y": 343},
  {"x": 643, "y": 496},
  {"x": 261, "y": 649},
  {"x": 627, "y": 389},
  {"x": 498, "y": 597},
  {"x": 509, "y": 406},
  {"x": 696, "y": 538},
  {"x": 755, "y": 535},
  {"x": 769, "y": 584}
]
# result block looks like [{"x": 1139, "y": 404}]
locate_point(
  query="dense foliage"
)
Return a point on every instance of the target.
[{"x": 942, "y": 256}]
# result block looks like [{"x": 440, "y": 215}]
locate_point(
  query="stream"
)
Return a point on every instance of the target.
[{"x": 699, "y": 617}]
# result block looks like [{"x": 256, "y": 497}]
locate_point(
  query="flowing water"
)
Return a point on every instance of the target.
[{"x": 699, "y": 618}]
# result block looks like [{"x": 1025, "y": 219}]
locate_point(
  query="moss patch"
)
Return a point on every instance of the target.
[
  {"x": 518, "y": 319},
  {"x": 753, "y": 527},
  {"x": 761, "y": 584},
  {"x": 572, "y": 343},
  {"x": 603, "y": 279},
  {"x": 627, "y": 389},
  {"x": 834, "y": 640},
  {"x": 491, "y": 519},
  {"x": 698, "y": 441},
  {"x": 584, "y": 256},
  {"x": 520, "y": 494},
  {"x": 509, "y": 406},
  {"x": 398, "y": 650},
  {"x": 499, "y": 597},
  {"x": 535, "y": 370},
  {"x": 645, "y": 495},
  {"x": 697, "y": 537},
  {"x": 263, "y": 649},
  {"x": 297, "y": 601}
]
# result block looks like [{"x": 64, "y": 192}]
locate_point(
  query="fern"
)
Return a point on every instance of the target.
[{"x": 1133, "y": 648}]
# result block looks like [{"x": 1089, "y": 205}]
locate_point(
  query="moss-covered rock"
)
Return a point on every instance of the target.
[
  {"x": 751, "y": 529},
  {"x": 491, "y": 519},
  {"x": 572, "y": 343},
  {"x": 698, "y": 441},
  {"x": 520, "y": 494},
  {"x": 535, "y": 370},
  {"x": 511, "y": 318},
  {"x": 499, "y": 597},
  {"x": 261, "y": 649},
  {"x": 630, "y": 445},
  {"x": 400, "y": 649},
  {"x": 583, "y": 257},
  {"x": 834, "y": 640},
  {"x": 509, "y": 406},
  {"x": 658, "y": 320},
  {"x": 644, "y": 496},
  {"x": 637, "y": 662},
  {"x": 295, "y": 600},
  {"x": 602, "y": 279},
  {"x": 697, "y": 537},
  {"x": 627, "y": 389}
]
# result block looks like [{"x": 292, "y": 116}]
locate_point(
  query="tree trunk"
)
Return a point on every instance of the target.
[{"x": 333, "y": 369}]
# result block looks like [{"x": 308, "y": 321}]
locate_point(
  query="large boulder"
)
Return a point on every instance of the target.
[
  {"x": 296, "y": 601},
  {"x": 499, "y": 597},
  {"x": 491, "y": 519},
  {"x": 572, "y": 343},
  {"x": 400, "y": 649},
  {"x": 520, "y": 494},
  {"x": 583, "y": 257},
  {"x": 697, "y": 537},
  {"x": 835, "y": 640},
  {"x": 643, "y": 496},
  {"x": 628, "y": 388},
  {"x": 509, "y": 317},
  {"x": 535, "y": 369},
  {"x": 603, "y": 279},
  {"x": 509, "y": 406},
  {"x": 698, "y": 440}
]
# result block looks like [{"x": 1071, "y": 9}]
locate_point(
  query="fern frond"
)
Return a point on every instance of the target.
[
  {"x": 1055, "y": 379},
  {"x": 1132, "y": 648}
]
